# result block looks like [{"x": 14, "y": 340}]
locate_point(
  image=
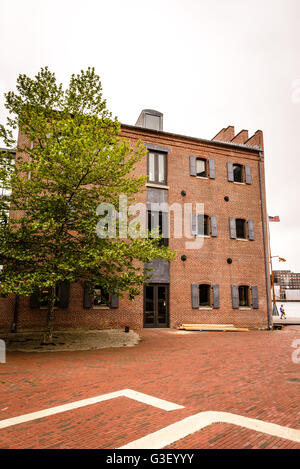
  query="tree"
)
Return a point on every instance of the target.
[{"x": 69, "y": 158}]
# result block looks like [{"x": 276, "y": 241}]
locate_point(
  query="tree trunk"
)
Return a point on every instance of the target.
[{"x": 50, "y": 317}]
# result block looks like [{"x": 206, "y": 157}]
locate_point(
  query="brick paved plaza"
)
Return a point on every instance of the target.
[{"x": 251, "y": 374}]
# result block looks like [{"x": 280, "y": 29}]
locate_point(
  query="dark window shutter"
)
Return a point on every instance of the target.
[
  {"x": 213, "y": 225},
  {"x": 211, "y": 165},
  {"x": 114, "y": 301},
  {"x": 230, "y": 171},
  {"x": 254, "y": 297},
  {"x": 34, "y": 299},
  {"x": 64, "y": 294},
  {"x": 232, "y": 228},
  {"x": 195, "y": 295},
  {"x": 192, "y": 166},
  {"x": 87, "y": 298},
  {"x": 216, "y": 296},
  {"x": 248, "y": 174},
  {"x": 193, "y": 224},
  {"x": 235, "y": 296},
  {"x": 251, "y": 230}
]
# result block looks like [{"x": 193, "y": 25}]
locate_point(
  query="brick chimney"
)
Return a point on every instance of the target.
[{"x": 225, "y": 135}]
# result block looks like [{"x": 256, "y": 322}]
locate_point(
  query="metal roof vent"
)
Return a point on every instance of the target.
[{"x": 150, "y": 119}]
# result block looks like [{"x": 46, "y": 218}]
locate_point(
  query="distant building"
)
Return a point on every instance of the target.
[{"x": 286, "y": 280}]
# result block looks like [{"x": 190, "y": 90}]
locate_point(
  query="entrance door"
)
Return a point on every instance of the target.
[{"x": 156, "y": 305}]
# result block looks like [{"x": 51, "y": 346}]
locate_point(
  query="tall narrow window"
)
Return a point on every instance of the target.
[
  {"x": 203, "y": 225},
  {"x": 156, "y": 222},
  {"x": 161, "y": 168},
  {"x": 157, "y": 168},
  {"x": 243, "y": 295},
  {"x": 238, "y": 173},
  {"x": 101, "y": 298},
  {"x": 240, "y": 228},
  {"x": 151, "y": 166},
  {"x": 204, "y": 295},
  {"x": 201, "y": 167}
]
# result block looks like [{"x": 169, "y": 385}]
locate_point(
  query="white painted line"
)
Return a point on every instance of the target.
[
  {"x": 150, "y": 400},
  {"x": 137, "y": 396},
  {"x": 176, "y": 431}
]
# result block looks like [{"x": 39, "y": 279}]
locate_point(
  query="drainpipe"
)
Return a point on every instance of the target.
[
  {"x": 15, "y": 319},
  {"x": 266, "y": 253}
]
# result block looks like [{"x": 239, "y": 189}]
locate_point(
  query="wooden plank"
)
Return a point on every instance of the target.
[
  {"x": 210, "y": 325},
  {"x": 219, "y": 328}
]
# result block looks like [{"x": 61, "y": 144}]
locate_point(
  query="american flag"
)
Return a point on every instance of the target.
[{"x": 274, "y": 218}]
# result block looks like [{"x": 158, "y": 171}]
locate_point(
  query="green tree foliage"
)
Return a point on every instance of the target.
[{"x": 70, "y": 158}]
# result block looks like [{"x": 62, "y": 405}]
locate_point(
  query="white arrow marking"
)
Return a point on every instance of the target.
[
  {"x": 176, "y": 431},
  {"x": 137, "y": 396}
]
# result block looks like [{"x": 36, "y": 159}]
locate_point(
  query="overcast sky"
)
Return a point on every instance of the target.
[{"x": 205, "y": 64}]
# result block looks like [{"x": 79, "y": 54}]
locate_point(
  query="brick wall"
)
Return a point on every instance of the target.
[{"x": 205, "y": 265}]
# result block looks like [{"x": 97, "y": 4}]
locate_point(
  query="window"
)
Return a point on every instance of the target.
[
  {"x": 101, "y": 298},
  {"x": 243, "y": 295},
  {"x": 157, "y": 168},
  {"x": 240, "y": 228},
  {"x": 238, "y": 173},
  {"x": 43, "y": 296},
  {"x": 203, "y": 225},
  {"x": 204, "y": 295},
  {"x": 201, "y": 170},
  {"x": 158, "y": 220}
]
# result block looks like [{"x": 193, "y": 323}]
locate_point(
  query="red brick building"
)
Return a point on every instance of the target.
[{"x": 226, "y": 280}]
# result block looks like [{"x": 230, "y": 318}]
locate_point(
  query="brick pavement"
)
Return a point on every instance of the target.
[{"x": 250, "y": 374}]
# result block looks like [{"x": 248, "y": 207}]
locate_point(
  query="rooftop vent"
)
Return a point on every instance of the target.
[{"x": 150, "y": 119}]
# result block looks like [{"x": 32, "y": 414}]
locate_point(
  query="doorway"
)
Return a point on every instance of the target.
[{"x": 156, "y": 305}]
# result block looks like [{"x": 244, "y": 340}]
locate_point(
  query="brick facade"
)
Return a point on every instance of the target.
[{"x": 207, "y": 265}]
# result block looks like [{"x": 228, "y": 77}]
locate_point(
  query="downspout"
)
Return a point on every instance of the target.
[{"x": 266, "y": 255}]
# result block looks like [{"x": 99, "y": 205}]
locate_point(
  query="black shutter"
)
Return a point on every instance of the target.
[
  {"x": 64, "y": 294},
  {"x": 232, "y": 228},
  {"x": 248, "y": 174},
  {"x": 230, "y": 171},
  {"x": 34, "y": 299},
  {"x": 235, "y": 296},
  {"x": 114, "y": 301},
  {"x": 216, "y": 296},
  {"x": 195, "y": 295},
  {"x": 211, "y": 165},
  {"x": 254, "y": 297},
  {"x": 87, "y": 298},
  {"x": 193, "y": 166},
  {"x": 251, "y": 230},
  {"x": 213, "y": 225}
]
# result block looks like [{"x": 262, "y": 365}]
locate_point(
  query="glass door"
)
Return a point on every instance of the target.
[{"x": 156, "y": 305}]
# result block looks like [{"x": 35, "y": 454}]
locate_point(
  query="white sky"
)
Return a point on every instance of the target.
[{"x": 205, "y": 64}]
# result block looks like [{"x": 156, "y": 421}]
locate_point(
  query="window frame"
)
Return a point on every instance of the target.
[
  {"x": 163, "y": 241},
  {"x": 209, "y": 294},
  {"x": 156, "y": 167},
  {"x": 242, "y": 181},
  {"x": 247, "y": 297},
  {"x": 244, "y": 230},
  {"x": 206, "y": 224},
  {"x": 100, "y": 305},
  {"x": 206, "y": 167}
]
